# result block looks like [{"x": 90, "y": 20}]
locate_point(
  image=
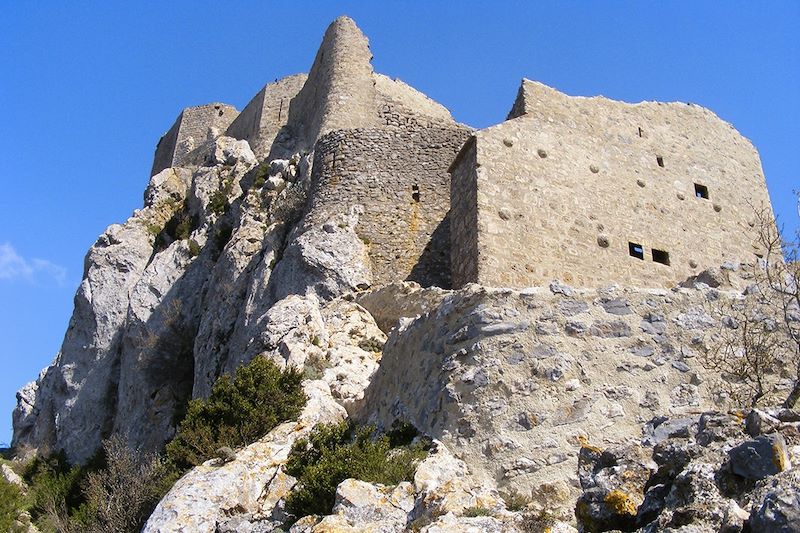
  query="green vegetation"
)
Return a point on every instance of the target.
[
  {"x": 222, "y": 234},
  {"x": 54, "y": 496},
  {"x": 11, "y": 505},
  {"x": 315, "y": 366},
  {"x": 472, "y": 512},
  {"x": 122, "y": 495},
  {"x": 335, "y": 452},
  {"x": 515, "y": 501},
  {"x": 119, "y": 488},
  {"x": 194, "y": 248},
  {"x": 116, "y": 491},
  {"x": 371, "y": 345},
  {"x": 238, "y": 411},
  {"x": 218, "y": 201},
  {"x": 260, "y": 177}
]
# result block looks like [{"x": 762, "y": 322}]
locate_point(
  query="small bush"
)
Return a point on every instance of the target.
[
  {"x": 238, "y": 412},
  {"x": 222, "y": 235},
  {"x": 515, "y": 501},
  {"x": 194, "y": 248},
  {"x": 473, "y": 512},
  {"x": 11, "y": 505},
  {"x": 121, "y": 496},
  {"x": 218, "y": 201},
  {"x": 54, "y": 491},
  {"x": 371, "y": 345},
  {"x": 315, "y": 366},
  {"x": 538, "y": 522},
  {"x": 335, "y": 452}
]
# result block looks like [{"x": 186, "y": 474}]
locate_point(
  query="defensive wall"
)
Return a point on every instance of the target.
[
  {"x": 399, "y": 176},
  {"x": 265, "y": 115},
  {"x": 194, "y": 126},
  {"x": 593, "y": 191}
]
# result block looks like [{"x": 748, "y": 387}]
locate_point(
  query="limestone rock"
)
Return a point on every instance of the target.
[
  {"x": 763, "y": 456},
  {"x": 12, "y": 477},
  {"x": 229, "y": 151},
  {"x": 324, "y": 263},
  {"x": 778, "y": 508},
  {"x": 203, "y": 496},
  {"x": 362, "y": 506}
]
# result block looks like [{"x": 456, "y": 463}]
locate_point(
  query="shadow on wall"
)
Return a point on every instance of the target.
[{"x": 433, "y": 266}]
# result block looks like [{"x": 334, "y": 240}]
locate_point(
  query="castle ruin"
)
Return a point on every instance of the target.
[{"x": 587, "y": 190}]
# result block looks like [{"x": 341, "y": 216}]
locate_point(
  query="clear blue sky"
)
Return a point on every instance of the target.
[{"x": 88, "y": 87}]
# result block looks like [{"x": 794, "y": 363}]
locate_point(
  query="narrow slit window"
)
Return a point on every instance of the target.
[
  {"x": 641, "y": 132},
  {"x": 636, "y": 250},
  {"x": 415, "y": 193},
  {"x": 700, "y": 191},
  {"x": 660, "y": 161},
  {"x": 660, "y": 256}
]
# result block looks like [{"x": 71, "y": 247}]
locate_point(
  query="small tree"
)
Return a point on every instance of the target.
[
  {"x": 778, "y": 280},
  {"x": 121, "y": 496},
  {"x": 746, "y": 352},
  {"x": 758, "y": 344}
]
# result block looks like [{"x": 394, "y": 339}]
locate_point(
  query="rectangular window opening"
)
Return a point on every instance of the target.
[
  {"x": 636, "y": 250},
  {"x": 660, "y": 161},
  {"x": 415, "y": 193},
  {"x": 641, "y": 132},
  {"x": 701, "y": 191},
  {"x": 660, "y": 256}
]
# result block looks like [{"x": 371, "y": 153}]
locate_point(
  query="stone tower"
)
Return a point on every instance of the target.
[{"x": 340, "y": 90}]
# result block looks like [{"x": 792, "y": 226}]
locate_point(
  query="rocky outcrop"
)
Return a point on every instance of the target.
[{"x": 701, "y": 473}]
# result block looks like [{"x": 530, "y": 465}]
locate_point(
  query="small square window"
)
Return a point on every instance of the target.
[
  {"x": 636, "y": 250},
  {"x": 660, "y": 256},
  {"x": 700, "y": 191}
]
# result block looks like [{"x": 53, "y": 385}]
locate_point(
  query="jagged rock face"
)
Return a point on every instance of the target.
[{"x": 691, "y": 475}]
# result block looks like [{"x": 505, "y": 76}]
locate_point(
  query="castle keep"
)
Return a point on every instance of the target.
[
  {"x": 587, "y": 190},
  {"x": 593, "y": 191}
]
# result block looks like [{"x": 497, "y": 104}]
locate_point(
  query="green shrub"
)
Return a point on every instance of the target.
[
  {"x": 222, "y": 234},
  {"x": 315, "y": 366},
  {"x": 11, "y": 504},
  {"x": 218, "y": 201},
  {"x": 472, "y": 512},
  {"x": 238, "y": 412},
  {"x": 54, "y": 491},
  {"x": 178, "y": 228},
  {"x": 184, "y": 227},
  {"x": 335, "y": 452},
  {"x": 115, "y": 491},
  {"x": 371, "y": 345},
  {"x": 515, "y": 501},
  {"x": 194, "y": 248},
  {"x": 538, "y": 522}
]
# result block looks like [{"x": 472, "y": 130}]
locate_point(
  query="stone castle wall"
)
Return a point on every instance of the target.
[
  {"x": 565, "y": 191},
  {"x": 265, "y": 115},
  {"x": 194, "y": 126},
  {"x": 464, "y": 216},
  {"x": 515, "y": 381},
  {"x": 399, "y": 177}
]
